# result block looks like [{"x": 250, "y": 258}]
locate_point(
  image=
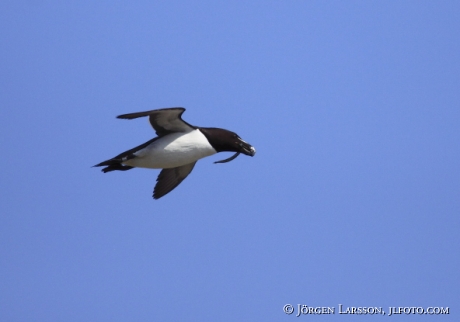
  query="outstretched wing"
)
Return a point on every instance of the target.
[
  {"x": 164, "y": 121},
  {"x": 168, "y": 179}
]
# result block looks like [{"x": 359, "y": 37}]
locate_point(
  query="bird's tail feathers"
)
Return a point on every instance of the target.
[{"x": 112, "y": 164}]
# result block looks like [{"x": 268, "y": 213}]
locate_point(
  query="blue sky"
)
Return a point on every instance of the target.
[{"x": 352, "y": 197}]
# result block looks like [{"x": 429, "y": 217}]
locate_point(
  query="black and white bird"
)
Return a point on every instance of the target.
[{"x": 176, "y": 149}]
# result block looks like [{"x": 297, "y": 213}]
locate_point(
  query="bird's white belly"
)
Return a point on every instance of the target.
[{"x": 173, "y": 150}]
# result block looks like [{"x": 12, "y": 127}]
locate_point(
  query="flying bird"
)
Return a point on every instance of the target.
[{"x": 176, "y": 149}]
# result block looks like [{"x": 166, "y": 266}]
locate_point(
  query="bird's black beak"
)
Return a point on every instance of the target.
[{"x": 245, "y": 148}]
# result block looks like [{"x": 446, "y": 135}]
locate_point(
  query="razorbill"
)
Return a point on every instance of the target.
[{"x": 176, "y": 149}]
